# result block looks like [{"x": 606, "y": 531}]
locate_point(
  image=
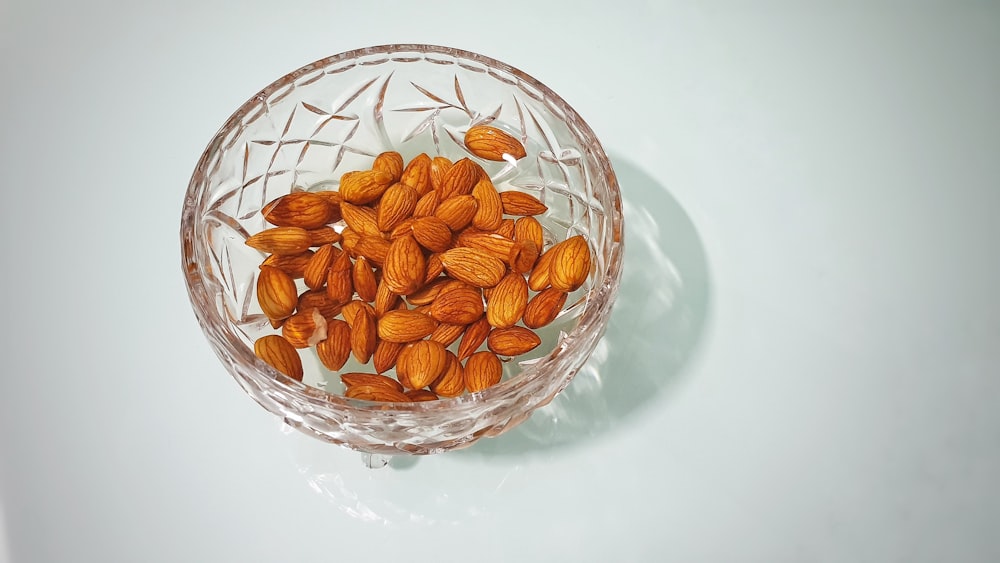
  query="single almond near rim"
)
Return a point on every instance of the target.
[
  {"x": 473, "y": 266},
  {"x": 512, "y": 341},
  {"x": 420, "y": 363},
  {"x": 298, "y": 209},
  {"x": 482, "y": 371},
  {"x": 491, "y": 143},
  {"x": 281, "y": 240},
  {"x": 334, "y": 351},
  {"x": 507, "y": 301},
  {"x": 570, "y": 264},
  {"x": 276, "y": 293},
  {"x": 279, "y": 354},
  {"x": 400, "y": 325}
]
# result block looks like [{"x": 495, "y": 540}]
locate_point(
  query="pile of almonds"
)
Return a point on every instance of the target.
[{"x": 431, "y": 254}]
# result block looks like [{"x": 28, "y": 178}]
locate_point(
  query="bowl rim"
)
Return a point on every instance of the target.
[{"x": 202, "y": 301}]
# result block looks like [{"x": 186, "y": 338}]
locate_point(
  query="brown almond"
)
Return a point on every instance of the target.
[
  {"x": 429, "y": 292},
  {"x": 283, "y": 240},
  {"x": 523, "y": 256},
  {"x": 334, "y": 198},
  {"x": 473, "y": 266},
  {"x": 538, "y": 279},
  {"x": 336, "y": 348},
  {"x": 374, "y": 248},
  {"x": 438, "y": 168},
  {"x": 279, "y": 354},
  {"x": 318, "y": 299},
  {"x": 293, "y": 264},
  {"x": 458, "y": 304},
  {"x": 482, "y": 370},
  {"x": 363, "y": 335},
  {"x": 391, "y": 163},
  {"x": 305, "y": 329},
  {"x": 323, "y": 235},
  {"x": 489, "y": 213},
  {"x": 364, "y": 279},
  {"x": 386, "y": 354},
  {"x": 447, "y": 333},
  {"x": 506, "y": 229},
  {"x": 385, "y": 299},
  {"x": 405, "y": 227},
  {"x": 421, "y": 395},
  {"x": 434, "y": 267},
  {"x": 298, "y": 209},
  {"x": 512, "y": 341},
  {"x": 475, "y": 335},
  {"x": 460, "y": 178},
  {"x": 316, "y": 269},
  {"x": 507, "y": 301},
  {"x": 363, "y": 186},
  {"x": 339, "y": 285},
  {"x": 352, "y": 378},
  {"x": 376, "y": 393},
  {"x": 451, "y": 382},
  {"x": 491, "y": 143},
  {"x": 427, "y": 204},
  {"x": 432, "y": 233},
  {"x": 349, "y": 240},
  {"x": 351, "y": 308},
  {"x": 276, "y": 293},
  {"x": 404, "y": 267},
  {"x": 529, "y": 229},
  {"x": 570, "y": 264},
  {"x": 420, "y": 363},
  {"x": 405, "y": 326},
  {"x": 396, "y": 206},
  {"x": 457, "y": 211},
  {"x": 520, "y": 203},
  {"x": 494, "y": 244},
  {"x": 417, "y": 174},
  {"x": 544, "y": 307},
  {"x": 362, "y": 219}
]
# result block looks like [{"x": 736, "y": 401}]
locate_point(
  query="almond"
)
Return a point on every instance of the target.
[
  {"x": 432, "y": 233},
  {"x": 316, "y": 269},
  {"x": 520, "y": 203},
  {"x": 538, "y": 279},
  {"x": 404, "y": 326},
  {"x": 336, "y": 348},
  {"x": 457, "y": 211},
  {"x": 364, "y": 279},
  {"x": 434, "y": 267},
  {"x": 417, "y": 174},
  {"x": 298, "y": 209},
  {"x": 363, "y": 335},
  {"x": 494, "y": 244},
  {"x": 279, "y": 354},
  {"x": 491, "y": 143},
  {"x": 429, "y": 292},
  {"x": 475, "y": 335},
  {"x": 349, "y": 240},
  {"x": 350, "y": 379},
  {"x": 523, "y": 256},
  {"x": 362, "y": 219},
  {"x": 460, "y": 178},
  {"x": 293, "y": 264},
  {"x": 363, "y": 186},
  {"x": 570, "y": 263},
  {"x": 512, "y": 341},
  {"x": 276, "y": 293},
  {"x": 489, "y": 213},
  {"x": 351, "y": 308},
  {"x": 318, "y": 299},
  {"x": 333, "y": 198},
  {"x": 427, "y": 204},
  {"x": 323, "y": 235},
  {"x": 396, "y": 206},
  {"x": 482, "y": 370},
  {"x": 283, "y": 240},
  {"x": 386, "y": 354},
  {"x": 339, "y": 285},
  {"x": 305, "y": 329},
  {"x": 473, "y": 266},
  {"x": 506, "y": 229},
  {"x": 529, "y": 229},
  {"x": 405, "y": 227},
  {"x": 438, "y": 168},
  {"x": 420, "y": 363},
  {"x": 374, "y": 248},
  {"x": 446, "y": 333},
  {"x": 377, "y": 393},
  {"x": 544, "y": 307},
  {"x": 507, "y": 301},
  {"x": 391, "y": 163},
  {"x": 420, "y": 395},
  {"x": 404, "y": 266},
  {"x": 458, "y": 304},
  {"x": 385, "y": 299},
  {"x": 451, "y": 382}
]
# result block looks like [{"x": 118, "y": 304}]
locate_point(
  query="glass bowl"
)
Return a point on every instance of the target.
[{"x": 309, "y": 127}]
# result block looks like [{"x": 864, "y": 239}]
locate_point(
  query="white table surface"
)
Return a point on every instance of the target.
[{"x": 805, "y": 360}]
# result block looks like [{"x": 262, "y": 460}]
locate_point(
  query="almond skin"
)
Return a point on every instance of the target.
[
  {"x": 417, "y": 174},
  {"x": 490, "y": 242},
  {"x": 543, "y": 308},
  {"x": 351, "y": 308},
  {"x": 507, "y": 301},
  {"x": 420, "y": 395},
  {"x": 377, "y": 393},
  {"x": 489, "y": 213},
  {"x": 432, "y": 233},
  {"x": 385, "y": 299},
  {"x": 363, "y": 186},
  {"x": 429, "y": 292},
  {"x": 373, "y": 247},
  {"x": 475, "y": 335},
  {"x": 538, "y": 279},
  {"x": 391, "y": 163},
  {"x": 305, "y": 329},
  {"x": 520, "y": 203},
  {"x": 350, "y": 379},
  {"x": 298, "y": 209},
  {"x": 460, "y": 178},
  {"x": 365, "y": 283},
  {"x": 482, "y": 370},
  {"x": 404, "y": 267},
  {"x": 438, "y": 168},
  {"x": 473, "y": 266},
  {"x": 523, "y": 256},
  {"x": 323, "y": 235},
  {"x": 447, "y": 333},
  {"x": 490, "y": 143},
  {"x": 339, "y": 283},
  {"x": 363, "y": 335},
  {"x": 458, "y": 304},
  {"x": 420, "y": 363},
  {"x": 276, "y": 293},
  {"x": 570, "y": 264},
  {"x": 396, "y": 205},
  {"x": 451, "y": 382},
  {"x": 279, "y": 354},
  {"x": 427, "y": 204},
  {"x": 434, "y": 267},
  {"x": 363, "y": 220},
  {"x": 294, "y": 264},
  {"x": 283, "y": 240},
  {"x": 512, "y": 341},
  {"x": 529, "y": 229},
  {"x": 336, "y": 348},
  {"x": 405, "y": 326},
  {"x": 314, "y": 274},
  {"x": 457, "y": 212},
  {"x": 386, "y": 354},
  {"x": 506, "y": 229},
  {"x": 318, "y": 299}
]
